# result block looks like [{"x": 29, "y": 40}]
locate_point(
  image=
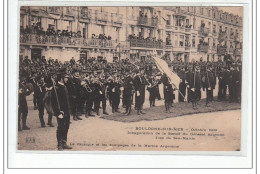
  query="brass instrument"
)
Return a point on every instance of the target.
[{"x": 87, "y": 87}]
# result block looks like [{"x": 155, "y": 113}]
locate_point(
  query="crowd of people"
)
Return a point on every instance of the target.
[
  {"x": 37, "y": 29},
  {"x": 83, "y": 87}
]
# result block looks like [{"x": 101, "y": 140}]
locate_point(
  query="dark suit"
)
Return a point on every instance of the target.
[
  {"x": 22, "y": 105},
  {"x": 60, "y": 102},
  {"x": 39, "y": 95},
  {"x": 139, "y": 85}
]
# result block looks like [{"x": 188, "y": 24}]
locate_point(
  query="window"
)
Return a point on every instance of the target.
[
  {"x": 132, "y": 30},
  {"x": 201, "y": 11},
  {"x": 102, "y": 29},
  {"x": 181, "y": 44},
  {"x": 168, "y": 22},
  {"x": 193, "y": 41}
]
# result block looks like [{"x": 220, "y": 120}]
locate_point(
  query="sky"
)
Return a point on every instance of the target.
[{"x": 234, "y": 10}]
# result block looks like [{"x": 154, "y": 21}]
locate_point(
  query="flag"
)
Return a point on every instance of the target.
[{"x": 163, "y": 67}]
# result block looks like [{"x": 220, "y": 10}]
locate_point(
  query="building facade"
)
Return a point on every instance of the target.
[{"x": 184, "y": 33}]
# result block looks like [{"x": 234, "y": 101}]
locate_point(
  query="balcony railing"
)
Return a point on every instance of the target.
[
  {"x": 117, "y": 18},
  {"x": 179, "y": 28},
  {"x": 187, "y": 48},
  {"x": 203, "y": 48},
  {"x": 152, "y": 22},
  {"x": 55, "y": 10},
  {"x": 32, "y": 39},
  {"x": 187, "y": 29},
  {"x": 222, "y": 50},
  {"x": 101, "y": 16},
  {"x": 203, "y": 31},
  {"x": 168, "y": 46},
  {"x": 146, "y": 44},
  {"x": 87, "y": 14},
  {"x": 237, "y": 51}
]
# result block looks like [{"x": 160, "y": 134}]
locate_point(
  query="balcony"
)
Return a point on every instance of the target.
[
  {"x": 86, "y": 14},
  {"x": 63, "y": 41},
  {"x": 187, "y": 48},
  {"x": 203, "y": 31},
  {"x": 203, "y": 48},
  {"x": 146, "y": 43},
  {"x": 117, "y": 18},
  {"x": 179, "y": 28},
  {"x": 150, "y": 22},
  {"x": 222, "y": 36},
  {"x": 221, "y": 50},
  {"x": 101, "y": 16},
  {"x": 237, "y": 51},
  {"x": 188, "y": 28},
  {"x": 55, "y": 10},
  {"x": 168, "y": 47},
  {"x": 169, "y": 27}
]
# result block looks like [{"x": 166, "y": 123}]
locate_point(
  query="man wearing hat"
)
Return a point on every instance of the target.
[
  {"x": 39, "y": 93},
  {"x": 76, "y": 110},
  {"x": 139, "y": 84},
  {"x": 127, "y": 92},
  {"x": 61, "y": 109},
  {"x": 194, "y": 86},
  {"x": 209, "y": 83},
  {"x": 182, "y": 85},
  {"x": 22, "y": 103}
]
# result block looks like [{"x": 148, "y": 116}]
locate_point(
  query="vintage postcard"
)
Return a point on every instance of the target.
[{"x": 130, "y": 78}]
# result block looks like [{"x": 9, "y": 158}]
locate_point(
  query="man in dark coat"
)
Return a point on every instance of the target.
[
  {"x": 22, "y": 104},
  {"x": 76, "y": 110},
  {"x": 61, "y": 109},
  {"x": 182, "y": 85},
  {"x": 39, "y": 93},
  {"x": 139, "y": 84},
  {"x": 208, "y": 82},
  {"x": 127, "y": 92},
  {"x": 194, "y": 86},
  {"x": 222, "y": 84}
]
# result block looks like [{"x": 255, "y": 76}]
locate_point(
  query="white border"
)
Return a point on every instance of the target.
[{"x": 43, "y": 160}]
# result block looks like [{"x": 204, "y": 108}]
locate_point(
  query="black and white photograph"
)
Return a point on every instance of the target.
[{"x": 130, "y": 78}]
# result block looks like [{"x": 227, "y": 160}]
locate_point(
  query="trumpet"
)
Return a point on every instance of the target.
[{"x": 86, "y": 86}]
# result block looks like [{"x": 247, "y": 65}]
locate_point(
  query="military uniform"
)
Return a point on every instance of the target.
[
  {"x": 39, "y": 93},
  {"x": 61, "y": 109},
  {"x": 127, "y": 94},
  {"x": 139, "y": 84}
]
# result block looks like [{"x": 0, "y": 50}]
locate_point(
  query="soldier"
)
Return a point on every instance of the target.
[
  {"x": 76, "y": 96},
  {"x": 152, "y": 88},
  {"x": 97, "y": 95},
  {"x": 222, "y": 84},
  {"x": 139, "y": 84},
  {"x": 127, "y": 92},
  {"x": 89, "y": 95},
  {"x": 34, "y": 84},
  {"x": 194, "y": 86},
  {"x": 115, "y": 94},
  {"x": 61, "y": 108},
  {"x": 208, "y": 83},
  {"x": 182, "y": 85},
  {"x": 22, "y": 103},
  {"x": 39, "y": 93},
  {"x": 167, "y": 91}
]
